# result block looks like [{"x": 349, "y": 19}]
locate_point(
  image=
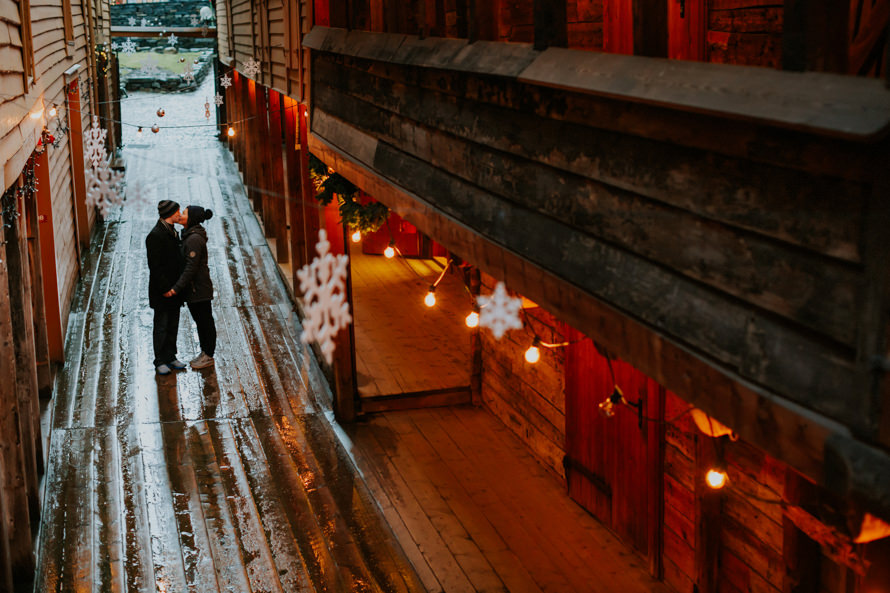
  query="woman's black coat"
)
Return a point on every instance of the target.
[{"x": 194, "y": 285}]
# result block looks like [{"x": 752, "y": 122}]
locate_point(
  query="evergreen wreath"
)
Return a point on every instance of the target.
[{"x": 365, "y": 218}]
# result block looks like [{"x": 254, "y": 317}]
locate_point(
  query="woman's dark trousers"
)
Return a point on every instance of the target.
[{"x": 202, "y": 313}]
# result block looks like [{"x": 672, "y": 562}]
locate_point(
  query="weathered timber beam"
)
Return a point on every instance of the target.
[
  {"x": 783, "y": 429},
  {"x": 830, "y": 105},
  {"x": 835, "y": 545},
  {"x": 161, "y": 31}
]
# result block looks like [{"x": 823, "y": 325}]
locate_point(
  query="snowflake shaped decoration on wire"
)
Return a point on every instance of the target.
[
  {"x": 94, "y": 144},
  {"x": 218, "y": 100},
  {"x": 132, "y": 21},
  {"x": 194, "y": 20},
  {"x": 499, "y": 312},
  {"x": 115, "y": 46},
  {"x": 188, "y": 75},
  {"x": 128, "y": 46},
  {"x": 103, "y": 187},
  {"x": 172, "y": 40},
  {"x": 143, "y": 22},
  {"x": 225, "y": 81},
  {"x": 323, "y": 283},
  {"x": 251, "y": 68}
]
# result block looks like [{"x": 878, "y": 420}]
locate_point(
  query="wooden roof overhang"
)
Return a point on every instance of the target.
[
  {"x": 806, "y": 389},
  {"x": 210, "y": 33}
]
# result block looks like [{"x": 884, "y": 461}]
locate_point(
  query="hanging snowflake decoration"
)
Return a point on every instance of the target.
[
  {"x": 128, "y": 46},
  {"x": 188, "y": 75},
  {"x": 94, "y": 144},
  {"x": 225, "y": 81},
  {"x": 143, "y": 22},
  {"x": 172, "y": 40},
  {"x": 499, "y": 312},
  {"x": 103, "y": 187},
  {"x": 115, "y": 46},
  {"x": 251, "y": 68},
  {"x": 218, "y": 100},
  {"x": 132, "y": 21},
  {"x": 323, "y": 283}
]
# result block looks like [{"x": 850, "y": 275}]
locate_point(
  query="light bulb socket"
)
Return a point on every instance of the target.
[{"x": 433, "y": 288}]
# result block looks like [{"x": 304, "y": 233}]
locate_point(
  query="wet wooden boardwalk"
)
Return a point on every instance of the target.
[{"x": 226, "y": 479}]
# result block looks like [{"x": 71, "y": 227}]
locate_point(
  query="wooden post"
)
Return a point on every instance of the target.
[
  {"x": 41, "y": 342},
  {"x": 12, "y": 480},
  {"x": 25, "y": 357},
  {"x": 655, "y": 440},
  {"x": 49, "y": 277},
  {"x": 276, "y": 181},
  {"x": 650, "y": 28},
  {"x": 708, "y": 508},
  {"x": 249, "y": 97},
  {"x": 345, "y": 392},
  {"x": 263, "y": 159},
  {"x": 815, "y": 35},
  {"x": 551, "y": 26},
  {"x": 311, "y": 211},
  {"x": 801, "y": 554},
  {"x": 473, "y": 279},
  {"x": 294, "y": 188},
  {"x": 75, "y": 143},
  {"x": 5, "y": 555}
]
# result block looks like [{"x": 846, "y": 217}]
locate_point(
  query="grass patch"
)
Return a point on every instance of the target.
[{"x": 165, "y": 62}]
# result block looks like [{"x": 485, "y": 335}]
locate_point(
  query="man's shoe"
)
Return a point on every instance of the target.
[
  {"x": 202, "y": 361},
  {"x": 162, "y": 369},
  {"x": 176, "y": 364}
]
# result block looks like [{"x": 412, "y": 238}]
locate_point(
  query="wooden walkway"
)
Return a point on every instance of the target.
[{"x": 228, "y": 479}]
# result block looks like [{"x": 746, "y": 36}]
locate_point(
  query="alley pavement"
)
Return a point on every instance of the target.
[{"x": 225, "y": 479}]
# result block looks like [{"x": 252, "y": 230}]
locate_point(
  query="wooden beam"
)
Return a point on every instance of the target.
[
  {"x": 294, "y": 189},
  {"x": 551, "y": 25},
  {"x": 473, "y": 280},
  {"x": 277, "y": 183},
  {"x": 75, "y": 142},
  {"x": 156, "y": 32},
  {"x": 801, "y": 554},
  {"x": 261, "y": 164},
  {"x": 311, "y": 210},
  {"x": 815, "y": 35},
  {"x": 345, "y": 383},
  {"x": 49, "y": 278},
  {"x": 650, "y": 28},
  {"x": 453, "y": 396},
  {"x": 708, "y": 511}
]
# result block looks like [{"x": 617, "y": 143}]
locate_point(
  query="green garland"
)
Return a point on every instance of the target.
[{"x": 365, "y": 218}]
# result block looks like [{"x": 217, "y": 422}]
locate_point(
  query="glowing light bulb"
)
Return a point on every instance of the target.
[
  {"x": 389, "y": 252},
  {"x": 430, "y": 299},
  {"x": 473, "y": 319},
  {"x": 139, "y": 131},
  {"x": 533, "y": 354},
  {"x": 231, "y": 132},
  {"x": 716, "y": 478},
  {"x": 356, "y": 236},
  {"x": 53, "y": 111}
]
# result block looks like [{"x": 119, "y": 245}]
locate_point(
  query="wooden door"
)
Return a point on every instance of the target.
[
  {"x": 613, "y": 464},
  {"x": 687, "y": 24}
]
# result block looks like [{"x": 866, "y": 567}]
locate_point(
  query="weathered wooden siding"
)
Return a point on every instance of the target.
[
  {"x": 585, "y": 24},
  {"x": 745, "y": 32},
  {"x": 745, "y": 245},
  {"x": 529, "y": 399}
]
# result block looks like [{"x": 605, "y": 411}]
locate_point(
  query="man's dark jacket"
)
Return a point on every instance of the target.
[
  {"x": 194, "y": 285},
  {"x": 164, "y": 265}
]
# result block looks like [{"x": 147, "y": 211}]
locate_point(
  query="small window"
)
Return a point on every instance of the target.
[{"x": 27, "y": 42}]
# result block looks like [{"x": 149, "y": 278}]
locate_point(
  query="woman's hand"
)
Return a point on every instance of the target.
[{"x": 170, "y": 293}]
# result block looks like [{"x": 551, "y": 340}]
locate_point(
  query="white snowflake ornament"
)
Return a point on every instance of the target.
[
  {"x": 194, "y": 20},
  {"x": 143, "y": 22},
  {"x": 103, "y": 187},
  {"x": 172, "y": 40},
  {"x": 323, "y": 283},
  {"x": 499, "y": 312},
  {"x": 225, "y": 81},
  {"x": 218, "y": 99},
  {"x": 132, "y": 21},
  {"x": 94, "y": 144},
  {"x": 128, "y": 46},
  {"x": 251, "y": 68}
]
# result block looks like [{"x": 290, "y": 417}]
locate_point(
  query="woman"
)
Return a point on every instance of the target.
[{"x": 194, "y": 285}]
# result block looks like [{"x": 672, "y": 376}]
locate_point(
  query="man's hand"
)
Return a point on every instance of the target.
[{"x": 170, "y": 293}]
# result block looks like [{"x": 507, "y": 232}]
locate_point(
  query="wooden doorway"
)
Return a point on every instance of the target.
[{"x": 614, "y": 462}]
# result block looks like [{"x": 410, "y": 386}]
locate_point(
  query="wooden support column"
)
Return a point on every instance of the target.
[
  {"x": 551, "y": 26},
  {"x": 655, "y": 440},
  {"x": 25, "y": 355},
  {"x": 311, "y": 211},
  {"x": 345, "y": 392},
  {"x": 5, "y": 554},
  {"x": 249, "y": 170},
  {"x": 650, "y": 30},
  {"x": 473, "y": 279},
  {"x": 49, "y": 277},
  {"x": 12, "y": 481},
  {"x": 237, "y": 118},
  {"x": 708, "y": 508},
  {"x": 483, "y": 20},
  {"x": 263, "y": 158},
  {"x": 75, "y": 144},
  {"x": 277, "y": 184},
  {"x": 295, "y": 196},
  {"x": 41, "y": 342},
  {"x": 802, "y": 555},
  {"x": 815, "y": 35}
]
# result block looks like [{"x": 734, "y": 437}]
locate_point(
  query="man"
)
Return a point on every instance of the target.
[{"x": 165, "y": 266}]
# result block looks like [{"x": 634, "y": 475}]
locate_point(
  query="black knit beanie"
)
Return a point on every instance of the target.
[
  {"x": 167, "y": 208},
  {"x": 197, "y": 215}
]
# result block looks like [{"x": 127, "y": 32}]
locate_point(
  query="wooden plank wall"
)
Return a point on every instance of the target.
[
  {"x": 529, "y": 399},
  {"x": 745, "y": 32}
]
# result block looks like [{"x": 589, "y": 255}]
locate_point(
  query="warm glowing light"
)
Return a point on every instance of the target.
[
  {"x": 36, "y": 114},
  {"x": 52, "y": 110},
  {"x": 430, "y": 299},
  {"x": 533, "y": 354},
  {"x": 473, "y": 319},
  {"x": 139, "y": 131},
  {"x": 389, "y": 252},
  {"x": 356, "y": 236},
  {"x": 716, "y": 478},
  {"x": 231, "y": 131}
]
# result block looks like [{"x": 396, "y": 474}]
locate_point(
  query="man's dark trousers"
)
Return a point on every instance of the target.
[{"x": 166, "y": 324}]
